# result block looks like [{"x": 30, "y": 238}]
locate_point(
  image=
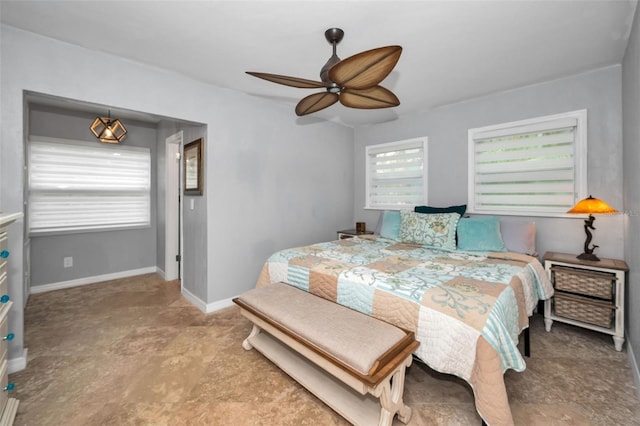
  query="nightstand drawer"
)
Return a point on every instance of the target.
[
  {"x": 596, "y": 312},
  {"x": 582, "y": 281}
]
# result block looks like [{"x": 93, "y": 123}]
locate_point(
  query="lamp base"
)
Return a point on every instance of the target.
[{"x": 588, "y": 256}]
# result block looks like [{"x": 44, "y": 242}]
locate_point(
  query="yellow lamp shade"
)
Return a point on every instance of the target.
[{"x": 592, "y": 206}]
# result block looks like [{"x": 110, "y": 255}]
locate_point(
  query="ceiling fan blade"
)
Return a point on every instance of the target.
[
  {"x": 365, "y": 69},
  {"x": 301, "y": 83},
  {"x": 372, "y": 98},
  {"x": 316, "y": 102}
]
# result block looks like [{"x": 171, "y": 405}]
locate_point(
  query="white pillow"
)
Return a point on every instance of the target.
[{"x": 519, "y": 237}]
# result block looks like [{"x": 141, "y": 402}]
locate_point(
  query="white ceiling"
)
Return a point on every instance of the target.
[{"x": 453, "y": 50}]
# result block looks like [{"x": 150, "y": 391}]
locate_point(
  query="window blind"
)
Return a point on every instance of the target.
[
  {"x": 532, "y": 168},
  {"x": 86, "y": 187},
  {"x": 396, "y": 174}
]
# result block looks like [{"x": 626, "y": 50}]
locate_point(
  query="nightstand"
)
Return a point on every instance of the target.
[
  {"x": 350, "y": 233},
  {"x": 587, "y": 294}
]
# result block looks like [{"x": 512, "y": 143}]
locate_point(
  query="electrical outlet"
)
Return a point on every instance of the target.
[{"x": 68, "y": 262}]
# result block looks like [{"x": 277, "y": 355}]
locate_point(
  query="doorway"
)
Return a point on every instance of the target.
[{"x": 173, "y": 216}]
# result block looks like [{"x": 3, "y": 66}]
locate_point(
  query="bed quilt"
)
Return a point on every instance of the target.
[{"x": 465, "y": 308}]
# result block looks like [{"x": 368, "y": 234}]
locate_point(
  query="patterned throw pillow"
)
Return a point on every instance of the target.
[{"x": 434, "y": 230}]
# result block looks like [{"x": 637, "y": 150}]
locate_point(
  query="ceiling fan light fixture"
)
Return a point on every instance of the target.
[
  {"x": 333, "y": 88},
  {"x": 108, "y": 130}
]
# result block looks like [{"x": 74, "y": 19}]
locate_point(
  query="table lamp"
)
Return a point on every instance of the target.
[{"x": 590, "y": 206}]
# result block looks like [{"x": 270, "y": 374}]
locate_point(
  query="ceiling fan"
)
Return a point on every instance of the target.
[{"x": 352, "y": 81}]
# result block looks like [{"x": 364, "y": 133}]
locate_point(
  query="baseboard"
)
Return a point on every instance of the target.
[
  {"x": 161, "y": 273},
  {"x": 206, "y": 308},
  {"x": 16, "y": 364},
  {"x": 195, "y": 300},
  {"x": 92, "y": 280},
  {"x": 220, "y": 304},
  {"x": 635, "y": 371}
]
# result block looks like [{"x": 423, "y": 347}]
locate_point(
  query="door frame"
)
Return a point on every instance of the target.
[{"x": 173, "y": 210}]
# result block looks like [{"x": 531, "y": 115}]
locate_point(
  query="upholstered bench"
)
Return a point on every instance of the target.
[{"x": 351, "y": 361}]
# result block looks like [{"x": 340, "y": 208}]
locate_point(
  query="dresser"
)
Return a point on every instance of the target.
[{"x": 8, "y": 405}]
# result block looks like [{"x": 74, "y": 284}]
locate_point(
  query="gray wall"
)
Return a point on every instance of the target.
[
  {"x": 598, "y": 91},
  {"x": 631, "y": 167},
  {"x": 272, "y": 180},
  {"x": 94, "y": 253},
  {"x": 194, "y": 227},
  {"x": 272, "y": 185}
]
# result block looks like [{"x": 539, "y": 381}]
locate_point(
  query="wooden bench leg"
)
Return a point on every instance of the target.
[
  {"x": 246, "y": 344},
  {"x": 391, "y": 397}
]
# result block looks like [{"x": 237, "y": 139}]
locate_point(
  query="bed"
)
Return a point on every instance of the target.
[{"x": 466, "y": 308}]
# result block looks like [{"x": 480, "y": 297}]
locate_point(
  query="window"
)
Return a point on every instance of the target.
[
  {"x": 77, "y": 186},
  {"x": 534, "y": 167},
  {"x": 396, "y": 174}
]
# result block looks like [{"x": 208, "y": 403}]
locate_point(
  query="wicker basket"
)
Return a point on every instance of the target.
[
  {"x": 584, "y": 309},
  {"x": 589, "y": 283}
]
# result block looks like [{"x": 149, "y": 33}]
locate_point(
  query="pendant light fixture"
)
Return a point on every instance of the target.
[{"x": 108, "y": 130}]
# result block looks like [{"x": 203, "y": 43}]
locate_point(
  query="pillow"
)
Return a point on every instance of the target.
[
  {"x": 480, "y": 234},
  {"x": 451, "y": 209},
  {"x": 390, "y": 225},
  {"x": 434, "y": 230},
  {"x": 519, "y": 237}
]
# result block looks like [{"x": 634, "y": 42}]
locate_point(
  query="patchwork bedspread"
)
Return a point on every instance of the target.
[{"x": 466, "y": 309}]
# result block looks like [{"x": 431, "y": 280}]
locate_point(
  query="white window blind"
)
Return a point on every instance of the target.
[
  {"x": 396, "y": 174},
  {"x": 75, "y": 186},
  {"x": 535, "y": 167}
]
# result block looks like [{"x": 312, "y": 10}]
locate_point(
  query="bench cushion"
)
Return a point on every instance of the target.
[{"x": 356, "y": 339}]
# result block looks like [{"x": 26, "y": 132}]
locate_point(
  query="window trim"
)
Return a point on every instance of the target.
[
  {"x": 100, "y": 228},
  {"x": 390, "y": 145},
  {"x": 580, "y": 159}
]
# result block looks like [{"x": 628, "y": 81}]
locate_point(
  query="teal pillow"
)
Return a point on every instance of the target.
[
  {"x": 390, "y": 225},
  {"x": 480, "y": 234},
  {"x": 434, "y": 230}
]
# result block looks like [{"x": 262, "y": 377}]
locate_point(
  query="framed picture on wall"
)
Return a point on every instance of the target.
[{"x": 193, "y": 182}]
